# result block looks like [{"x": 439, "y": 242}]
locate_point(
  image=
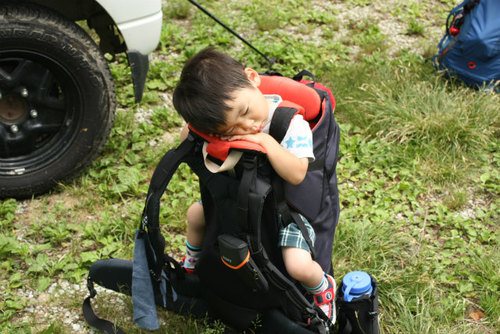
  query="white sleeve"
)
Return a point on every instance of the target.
[{"x": 298, "y": 139}]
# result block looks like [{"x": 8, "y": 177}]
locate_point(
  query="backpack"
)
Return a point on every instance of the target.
[
  {"x": 240, "y": 276},
  {"x": 470, "y": 49}
]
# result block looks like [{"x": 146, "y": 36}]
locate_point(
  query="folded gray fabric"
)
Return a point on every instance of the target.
[{"x": 143, "y": 298}]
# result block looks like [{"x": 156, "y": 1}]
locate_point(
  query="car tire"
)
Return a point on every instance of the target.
[{"x": 57, "y": 100}]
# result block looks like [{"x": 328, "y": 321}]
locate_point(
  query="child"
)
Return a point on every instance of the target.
[{"x": 219, "y": 96}]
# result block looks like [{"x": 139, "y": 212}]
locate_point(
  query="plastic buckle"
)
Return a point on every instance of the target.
[
  {"x": 319, "y": 325},
  {"x": 191, "y": 136},
  {"x": 454, "y": 31},
  {"x": 249, "y": 162}
]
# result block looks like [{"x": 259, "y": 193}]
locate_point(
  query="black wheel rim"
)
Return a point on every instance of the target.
[{"x": 40, "y": 111}]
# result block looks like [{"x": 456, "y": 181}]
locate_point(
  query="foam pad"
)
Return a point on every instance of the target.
[{"x": 113, "y": 274}]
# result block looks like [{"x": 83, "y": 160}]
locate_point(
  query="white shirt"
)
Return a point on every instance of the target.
[{"x": 298, "y": 138}]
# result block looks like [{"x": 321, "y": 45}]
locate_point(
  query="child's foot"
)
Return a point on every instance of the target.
[
  {"x": 186, "y": 266},
  {"x": 326, "y": 299}
]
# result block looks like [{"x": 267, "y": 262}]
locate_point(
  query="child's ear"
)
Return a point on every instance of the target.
[{"x": 253, "y": 76}]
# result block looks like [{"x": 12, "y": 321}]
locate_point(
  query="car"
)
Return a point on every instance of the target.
[{"x": 57, "y": 96}]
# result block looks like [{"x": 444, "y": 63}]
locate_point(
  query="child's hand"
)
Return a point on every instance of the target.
[
  {"x": 287, "y": 165},
  {"x": 257, "y": 138}
]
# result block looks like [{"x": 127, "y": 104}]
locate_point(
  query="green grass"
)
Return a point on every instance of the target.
[
  {"x": 418, "y": 171},
  {"x": 447, "y": 128}
]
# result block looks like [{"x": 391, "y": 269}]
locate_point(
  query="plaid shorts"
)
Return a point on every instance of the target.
[{"x": 290, "y": 235}]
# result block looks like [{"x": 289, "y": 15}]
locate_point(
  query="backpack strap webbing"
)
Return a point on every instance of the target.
[
  {"x": 281, "y": 122},
  {"x": 159, "y": 181},
  {"x": 318, "y": 319},
  {"x": 305, "y": 73},
  {"x": 150, "y": 222},
  {"x": 279, "y": 126},
  {"x": 252, "y": 194},
  {"x": 92, "y": 319},
  {"x": 288, "y": 215}
]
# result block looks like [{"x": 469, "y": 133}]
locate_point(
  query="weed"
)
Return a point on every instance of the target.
[
  {"x": 455, "y": 198},
  {"x": 415, "y": 28},
  {"x": 7, "y": 214},
  {"x": 177, "y": 9},
  {"x": 368, "y": 36},
  {"x": 266, "y": 16},
  {"x": 359, "y": 2}
]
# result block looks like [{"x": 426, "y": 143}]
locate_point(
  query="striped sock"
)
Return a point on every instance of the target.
[
  {"x": 318, "y": 289},
  {"x": 192, "y": 255}
]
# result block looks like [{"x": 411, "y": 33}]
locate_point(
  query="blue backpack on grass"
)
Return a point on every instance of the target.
[{"x": 470, "y": 49}]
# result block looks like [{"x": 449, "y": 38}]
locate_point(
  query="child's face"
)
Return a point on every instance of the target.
[{"x": 248, "y": 112}]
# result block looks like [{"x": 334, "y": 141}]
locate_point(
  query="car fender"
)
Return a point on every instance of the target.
[
  {"x": 140, "y": 26},
  {"x": 138, "y": 22}
]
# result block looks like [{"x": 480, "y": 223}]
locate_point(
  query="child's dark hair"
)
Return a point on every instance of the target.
[{"x": 207, "y": 82}]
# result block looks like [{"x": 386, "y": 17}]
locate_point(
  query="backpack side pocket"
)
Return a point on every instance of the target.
[
  {"x": 359, "y": 316},
  {"x": 236, "y": 255}
]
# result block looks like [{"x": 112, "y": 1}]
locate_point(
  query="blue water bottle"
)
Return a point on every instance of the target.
[{"x": 356, "y": 284}]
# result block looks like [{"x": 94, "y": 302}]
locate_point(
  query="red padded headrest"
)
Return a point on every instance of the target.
[
  {"x": 293, "y": 91},
  {"x": 303, "y": 98},
  {"x": 219, "y": 148}
]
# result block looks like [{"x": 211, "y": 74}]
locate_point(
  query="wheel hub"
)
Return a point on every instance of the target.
[{"x": 13, "y": 109}]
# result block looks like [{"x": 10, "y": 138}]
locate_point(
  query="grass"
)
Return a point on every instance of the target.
[
  {"x": 425, "y": 254},
  {"x": 418, "y": 171}
]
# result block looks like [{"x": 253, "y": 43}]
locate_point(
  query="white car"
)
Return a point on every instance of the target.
[{"x": 57, "y": 97}]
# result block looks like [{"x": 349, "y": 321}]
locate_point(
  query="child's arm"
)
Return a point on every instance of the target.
[{"x": 289, "y": 167}]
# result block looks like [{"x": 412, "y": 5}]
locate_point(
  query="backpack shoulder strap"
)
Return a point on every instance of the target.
[
  {"x": 281, "y": 121},
  {"x": 250, "y": 200},
  {"x": 159, "y": 181},
  {"x": 150, "y": 221}
]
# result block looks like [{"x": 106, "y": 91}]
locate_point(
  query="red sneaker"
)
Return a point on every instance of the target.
[
  {"x": 326, "y": 299},
  {"x": 188, "y": 270}
]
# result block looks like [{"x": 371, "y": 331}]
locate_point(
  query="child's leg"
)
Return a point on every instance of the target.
[
  {"x": 300, "y": 265},
  {"x": 195, "y": 225},
  {"x": 195, "y": 234}
]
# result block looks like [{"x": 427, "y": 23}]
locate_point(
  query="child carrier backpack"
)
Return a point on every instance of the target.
[
  {"x": 470, "y": 49},
  {"x": 240, "y": 277}
]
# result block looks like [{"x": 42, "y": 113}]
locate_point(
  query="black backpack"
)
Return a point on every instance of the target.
[{"x": 240, "y": 276}]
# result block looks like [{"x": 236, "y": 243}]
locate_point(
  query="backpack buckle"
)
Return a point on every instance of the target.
[
  {"x": 249, "y": 162},
  {"x": 456, "y": 24}
]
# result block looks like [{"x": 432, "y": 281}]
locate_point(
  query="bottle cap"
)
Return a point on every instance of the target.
[{"x": 355, "y": 284}]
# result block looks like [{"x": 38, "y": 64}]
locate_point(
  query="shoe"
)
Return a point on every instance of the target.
[
  {"x": 326, "y": 299},
  {"x": 188, "y": 270}
]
